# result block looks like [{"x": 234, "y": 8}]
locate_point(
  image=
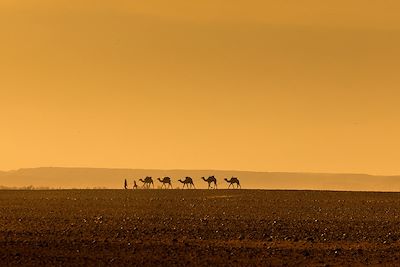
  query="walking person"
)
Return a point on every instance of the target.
[{"x": 134, "y": 184}]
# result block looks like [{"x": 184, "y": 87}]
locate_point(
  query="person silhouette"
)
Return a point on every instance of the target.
[
  {"x": 134, "y": 184},
  {"x": 126, "y": 184}
]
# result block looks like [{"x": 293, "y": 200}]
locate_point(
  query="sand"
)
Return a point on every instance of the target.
[{"x": 198, "y": 227}]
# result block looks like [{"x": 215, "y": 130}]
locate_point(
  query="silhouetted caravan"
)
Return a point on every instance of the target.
[
  {"x": 166, "y": 181},
  {"x": 232, "y": 182},
  {"x": 211, "y": 180},
  {"x": 126, "y": 184},
  {"x": 147, "y": 182},
  {"x": 134, "y": 184},
  {"x": 188, "y": 182}
]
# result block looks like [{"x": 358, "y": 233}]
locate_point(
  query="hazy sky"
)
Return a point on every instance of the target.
[{"x": 214, "y": 84}]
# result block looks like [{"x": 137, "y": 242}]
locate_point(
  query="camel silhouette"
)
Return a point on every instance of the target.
[
  {"x": 166, "y": 181},
  {"x": 147, "y": 182},
  {"x": 232, "y": 182},
  {"x": 188, "y": 182},
  {"x": 211, "y": 180}
]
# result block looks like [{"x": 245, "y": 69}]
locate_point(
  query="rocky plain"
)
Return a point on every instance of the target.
[{"x": 198, "y": 228}]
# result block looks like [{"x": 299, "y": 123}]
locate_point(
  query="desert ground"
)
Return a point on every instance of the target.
[{"x": 198, "y": 227}]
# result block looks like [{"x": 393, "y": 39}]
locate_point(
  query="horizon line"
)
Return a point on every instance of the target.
[{"x": 219, "y": 170}]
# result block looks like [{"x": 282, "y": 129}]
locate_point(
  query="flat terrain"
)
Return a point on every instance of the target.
[{"x": 198, "y": 227}]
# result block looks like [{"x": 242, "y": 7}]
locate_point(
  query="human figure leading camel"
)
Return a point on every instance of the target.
[
  {"x": 135, "y": 185},
  {"x": 188, "y": 182},
  {"x": 232, "y": 182},
  {"x": 210, "y": 180},
  {"x": 166, "y": 181},
  {"x": 147, "y": 182}
]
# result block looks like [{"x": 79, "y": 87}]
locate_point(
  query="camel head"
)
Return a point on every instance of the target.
[
  {"x": 226, "y": 179},
  {"x": 159, "y": 179},
  {"x": 181, "y": 181},
  {"x": 204, "y": 178}
]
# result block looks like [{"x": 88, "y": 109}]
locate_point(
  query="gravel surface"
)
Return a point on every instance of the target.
[{"x": 198, "y": 227}]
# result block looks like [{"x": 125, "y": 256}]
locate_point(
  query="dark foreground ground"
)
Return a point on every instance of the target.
[{"x": 198, "y": 227}]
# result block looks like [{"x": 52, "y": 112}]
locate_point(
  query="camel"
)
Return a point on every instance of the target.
[
  {"x": 188, "y": 182},
  {"x": 210, "y": 180},
  {"x": 147, "y": 182},
  {"x": 232, "y": 182},
  {"x": 166, "y": 181}
]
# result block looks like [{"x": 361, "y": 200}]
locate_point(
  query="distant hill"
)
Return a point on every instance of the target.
[{"x": 113, "y": 178}]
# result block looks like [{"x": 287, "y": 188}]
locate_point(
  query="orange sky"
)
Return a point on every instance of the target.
[{"x": 248, "y": 85}]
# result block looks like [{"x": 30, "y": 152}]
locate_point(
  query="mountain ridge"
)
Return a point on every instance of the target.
[{"x": 82, "y": 177}]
